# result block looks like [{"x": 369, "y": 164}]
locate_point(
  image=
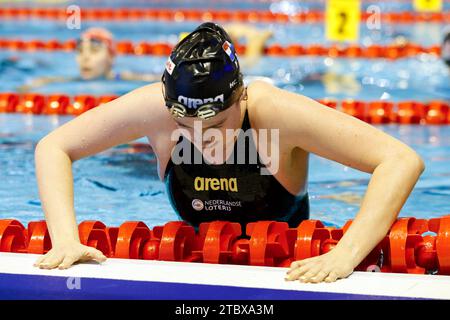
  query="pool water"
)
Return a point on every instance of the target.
[
  {"x": 423, "y": 77},
  {"x": 425, "y": 34},
  {"x": 121, "y": 184},
  {"x": 420, "y": 78}
]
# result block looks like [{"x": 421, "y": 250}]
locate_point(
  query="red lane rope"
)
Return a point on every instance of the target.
[
  {"x": 292, "y": 50},
  {"x": 225, "y": 15},
  {"x": 405, "y": 248},
  {"x": 433, "y": 112}
]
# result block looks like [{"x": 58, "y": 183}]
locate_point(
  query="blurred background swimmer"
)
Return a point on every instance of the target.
[
  {"x": 255, "y": 40},
  {"x": 95, "y": 57}
]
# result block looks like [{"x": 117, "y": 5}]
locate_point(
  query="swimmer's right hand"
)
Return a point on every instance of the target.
[{"x": 65, "y": 255}]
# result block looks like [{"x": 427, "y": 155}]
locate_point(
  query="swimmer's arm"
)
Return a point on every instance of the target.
[
  {"x": 255, "y": 49},
  {"x": 127, "y": 118},
  {"x": 40, "y": 82},
  {"x": 331, "y": 134},
  {"x": 255, "y": 41}
]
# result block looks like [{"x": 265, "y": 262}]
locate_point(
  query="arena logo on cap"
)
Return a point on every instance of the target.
[
  {"x": 170, "y": 66},
  {"x": 193, "y": 103},
  {"x": 228, "y": 48}
]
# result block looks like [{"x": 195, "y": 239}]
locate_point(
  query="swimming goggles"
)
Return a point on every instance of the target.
[
  {"x": 96, "y": 41},
  {"x": 207, "y": 110}
]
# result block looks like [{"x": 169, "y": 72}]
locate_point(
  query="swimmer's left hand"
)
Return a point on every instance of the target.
[{"x": 328, "y": 267}]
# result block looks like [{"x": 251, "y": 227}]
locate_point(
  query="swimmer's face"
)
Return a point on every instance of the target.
[
  {"x": 94, "y": 59},
  {"x": 213, "y": 131}
]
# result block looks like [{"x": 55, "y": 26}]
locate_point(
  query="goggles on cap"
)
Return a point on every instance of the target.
[{"x": 207, "y": 110}]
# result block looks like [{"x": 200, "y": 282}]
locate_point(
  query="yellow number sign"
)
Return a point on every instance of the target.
[
  {"x": 342, "y": 19},
  {"x": 428, "y": 5}
]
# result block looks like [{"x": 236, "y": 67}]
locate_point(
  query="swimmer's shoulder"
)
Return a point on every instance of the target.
[
  {"x": 147, "y": 103},
  {"x": 261, "y": 103},
  {"x": 151, "y": 101},
  {"x": 160, "y": 124},
  {"x": 149, "y": 95},
  {"x": 272, "y": 107}
]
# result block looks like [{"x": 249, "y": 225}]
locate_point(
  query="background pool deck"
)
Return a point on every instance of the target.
[{"x": 139, "y": 279}]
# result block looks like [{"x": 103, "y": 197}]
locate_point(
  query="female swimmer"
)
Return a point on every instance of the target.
[
  {"x": 95, "y": 55},
  {"x": 211, "y": 174}
]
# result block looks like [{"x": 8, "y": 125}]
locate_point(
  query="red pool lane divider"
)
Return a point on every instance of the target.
[
  {"x": 292, "y": 50},
  {"x": 416, "y": 246},
  {"x": 434, "y": 112},
  {"x": 220, "y": 15}
]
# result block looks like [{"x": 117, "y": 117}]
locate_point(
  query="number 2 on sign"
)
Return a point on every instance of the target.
[
  {"x": 343, "y": 16},
  {"x": 342, "y": 20}
]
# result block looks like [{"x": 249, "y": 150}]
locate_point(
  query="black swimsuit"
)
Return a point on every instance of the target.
[{"x": 232, "y": 192}]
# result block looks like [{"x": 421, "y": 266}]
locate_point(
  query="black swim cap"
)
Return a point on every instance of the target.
[{"x": 203, "y": 68}]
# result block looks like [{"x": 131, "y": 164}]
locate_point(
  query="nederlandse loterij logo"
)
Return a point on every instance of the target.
[
  {"x": 215, "y": 184},
  {"x": 197, "y": 204}
]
